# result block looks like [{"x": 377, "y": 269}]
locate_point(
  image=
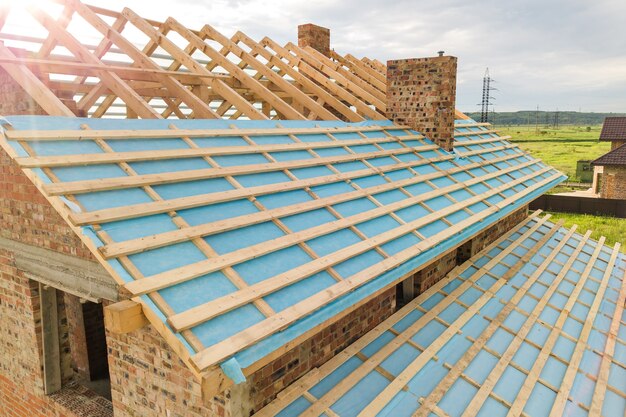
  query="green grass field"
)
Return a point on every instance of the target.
[
  {"x": 612, "y": 228},
  {"x": 560, "y": 148}
]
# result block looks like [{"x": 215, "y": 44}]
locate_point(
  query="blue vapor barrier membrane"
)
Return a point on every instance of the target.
[
  {"x": 482, "y": 362},
  {"x": 253, "y": 199}
]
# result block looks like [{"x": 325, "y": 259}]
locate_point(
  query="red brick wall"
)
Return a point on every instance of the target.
[
  {"x": 614, "y": 182},
  {"x": 26, "y": 216},
  {"x": 314, "y": 36},
  {"x": 148, "y": 379},
  {"x": 490, "y": 235},
  {"x": 13, "y": 99},
  {"x": 315, "y": 351},
  {"x": 421, "y": 93},
  {"x": 432, "y": 274},
  {"x": 21, "y": 366}
]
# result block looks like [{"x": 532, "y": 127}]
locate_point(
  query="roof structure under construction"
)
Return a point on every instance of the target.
[
  {"x": 245, "y": 193},
  {"x": 241, "y": 239},
  {"x": 531, "y": 326}
]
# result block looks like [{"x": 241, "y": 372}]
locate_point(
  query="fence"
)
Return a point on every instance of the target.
[{"x": 581, "y": 205}]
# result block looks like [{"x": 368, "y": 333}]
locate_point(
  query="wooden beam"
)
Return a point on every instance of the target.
[
  {"x": 124, "y": 317},
  {"x": 50, "y": 339},
  {"x": 182, "y": 203},
  {"x": 112, "y": 81},
  {"x": 226, "y": 348},
  {"x": 297, "y": 94},
  {"x": 88, "y": 186},
  {"x": 177, "y": 53},
  {"x": 599, "y": 391},
  {"x": 478, "y": 400},
  {"x": 311, "y": 379},
  {"x": 155, "y": 155},
  {"x": 582, "y": 344},
  {"x": 315, "y": 75},
  {"x": 306, "y": 84},
  {"x": 200, "y": 108},
  {"x": 40, "y": 135},
  {"x": 41, "y": 94}
]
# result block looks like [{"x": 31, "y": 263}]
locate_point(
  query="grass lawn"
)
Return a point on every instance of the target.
[
  {"x": 560, "y": 148},
  {"x": 612, "y": 228}
]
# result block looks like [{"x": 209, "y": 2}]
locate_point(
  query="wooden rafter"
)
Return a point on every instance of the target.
[{"x": 265, "y": 81}]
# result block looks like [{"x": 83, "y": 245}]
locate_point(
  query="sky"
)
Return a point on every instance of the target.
[{"x": 568, "y": 55}]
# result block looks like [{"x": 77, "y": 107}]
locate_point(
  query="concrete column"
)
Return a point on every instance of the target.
[
  {"x": 421, "y": 93},
  {"x": 314, "y": 36}
]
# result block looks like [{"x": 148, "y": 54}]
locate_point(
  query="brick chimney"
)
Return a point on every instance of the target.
[
  {"x": 314, "y": 36},
  {"x": 421, "y": 93}
]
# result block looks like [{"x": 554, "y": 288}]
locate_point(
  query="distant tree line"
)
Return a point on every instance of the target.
[{"x": 530, "y": 117}]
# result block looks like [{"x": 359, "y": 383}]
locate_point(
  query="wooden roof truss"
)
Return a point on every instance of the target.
[{"x": 140, "y": 68}]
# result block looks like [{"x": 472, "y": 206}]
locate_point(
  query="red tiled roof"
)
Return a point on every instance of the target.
[
  {"x": 614, "y": 128},
  {"x": 615, "y": 157}
]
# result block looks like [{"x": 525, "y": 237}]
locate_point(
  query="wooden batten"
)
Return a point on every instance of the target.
[{"x": 124, "y": 317}]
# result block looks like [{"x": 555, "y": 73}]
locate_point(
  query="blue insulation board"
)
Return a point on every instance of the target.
[
  {"x": 510, "y": 170},
  {"x": 492, "y": 298}
]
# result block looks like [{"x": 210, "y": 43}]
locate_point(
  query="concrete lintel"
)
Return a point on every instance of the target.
[{"x": 76, "y": 276}]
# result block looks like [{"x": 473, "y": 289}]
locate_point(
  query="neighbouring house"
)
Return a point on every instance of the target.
[
  {"x": 610, "y": 171},
  {"x": 197, "y": 225},
  {"x": 609, "y": 178}
]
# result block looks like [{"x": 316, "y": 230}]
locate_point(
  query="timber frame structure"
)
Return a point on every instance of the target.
[
  {"x": 303, "y": 116},
  {"x": 181, "y": 73}
]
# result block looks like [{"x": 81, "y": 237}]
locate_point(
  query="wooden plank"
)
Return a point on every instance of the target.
[
  {"x": 495, "y": 374},
  {"x": 529, "y": 384},
  {"x": 323, "y": 80},
  {"x": 297, "y": 94},
  {"x": 124, "y": 317},
  {"x": 35, "y": 88},
  {"x": 216, "y": 84},
  {"x": 176, "y": 236},
  {"x": 156, "y": 155},
  {"x": 387, "y": 394},
  {"x": 296, "y": 389},
  {"x": 112, "y": 81},
  {"x": 307, "y": 85},
  {"x": 568, "y": 379},
  {"x": 50, "y": 339},
  {"x": 486, "y": 150},
  {"x": 599, "y": 392},
  {"x": 144, "y": 209},
  {"x": 88, "y": 186},
  {"x": 474, "y": 133},
  {"x": 255, "y": 333},
  {"x": 43, "y": 135},
  {"x": 461, "y": 125},
  {"x": 406, "y": 335},
  {"x": 323, "y": 65},
  {"x": 200, "y": 108},
  {"x": 471, "y": 142},
  {"x": 80, "y": 277},
  {"x": 188, "y": 272},
  {"x": 248, "y": 81}
]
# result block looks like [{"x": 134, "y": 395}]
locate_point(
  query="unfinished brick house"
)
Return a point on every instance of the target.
[
  {"x": 196, "y": 225},
  {"x": 609, "y": 179}
]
